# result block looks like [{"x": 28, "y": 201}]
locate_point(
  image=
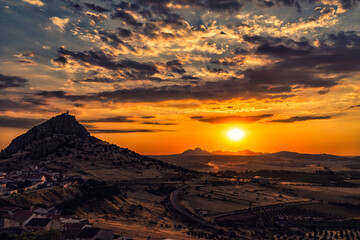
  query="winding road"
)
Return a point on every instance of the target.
[{"x": 175, "y": 203}]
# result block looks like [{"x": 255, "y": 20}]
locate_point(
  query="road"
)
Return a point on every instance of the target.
[{"x": 175, "y": 203}]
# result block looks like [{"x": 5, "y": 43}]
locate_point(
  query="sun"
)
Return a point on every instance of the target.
[{"x": 235, "y": 134}]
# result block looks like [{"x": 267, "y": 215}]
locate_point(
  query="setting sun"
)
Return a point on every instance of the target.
[{"x": 235, "y": 134}]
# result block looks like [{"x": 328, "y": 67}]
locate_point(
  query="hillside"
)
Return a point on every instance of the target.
[
  {"x": 291, "y": 161},
  {"x": 64, "y": 144}
]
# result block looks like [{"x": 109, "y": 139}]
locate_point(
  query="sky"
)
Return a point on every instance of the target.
[{"x": 163, "y": 76}]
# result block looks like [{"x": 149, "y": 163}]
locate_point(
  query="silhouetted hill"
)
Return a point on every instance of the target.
[
  {"x": 292, "y": 161},
  {"x": 195, "y": 152},
  {"x": 41, "y": 140},
  {"x": 245, "y": 152},
  {"x": 306, "y": 156},
  {"x": 63, "y": 143}
]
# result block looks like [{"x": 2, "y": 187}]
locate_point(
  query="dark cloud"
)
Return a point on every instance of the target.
[
  {"x": 240, "y": 51},
  {"x": 96, "y": 80},
  {"x": 216, "y": 70},
  {"x": 232, "y": 119},
  {"x": 131, "y": 69},
  {"x": 96, "y": 8},
  {"x": 73, "y": 6},
  {"x": 128, "y": 130},
  {"x": 158, "y": 123},
  {"x": 61, "y": 60},
  {"x": 220, "y": 90},
  {"x": 117, "y": 119},
  {"x": 27, "y": 104},
  {"x": 7, "y": 81},
  {"x": 175, "y": 66},
  {"x": 113, "y": 39},
  {"x": 354, "y": 106},
  {"x": 190, "y": 77},
  {"x": 25, "y": 62},
  {"x": 289, "y": 3},
  {"x": 300, "y": 119},
  {"x": 280, "y": 78},
  {"x": 123, "y": 32},
  {"x": 13, "y": 122},
  {"x": 348, "y": 3},
  {"x": 148, "y": 117},
  {"x": 281, "y": 50},
  {"x": 126, "y": 17}
]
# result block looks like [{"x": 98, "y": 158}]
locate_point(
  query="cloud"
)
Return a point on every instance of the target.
[
  {"x": 96, "y": 80},
  {"x": 26, "y": 54},
  {"x": 117, "y": 119},
  {"x": 158, "y": 123},
  {"x": 28, "y": 62},
  {"x": 300, "y": 119},
  {"x": 126, "y": 17},
  {"x": 73, "y": 6},
  {"x": 281, "y": 50},
  {"x": 128, "y": 130},
  {"x": 96, "y": 18},
  {"x": 354, "y": 106},
  {"x": 219, "y": 90},
  {"x": 13, "y": 122},
  {"x": 35, "y": 2},
  {"x": 60, "y": 22},
  {"x": 96, "y": 8},
  {"x": 232, "y": 119},
  {"x": 12, "y": 81},
  {"x": 99, "y": 58},
  {"x": 175, "y": 66}
]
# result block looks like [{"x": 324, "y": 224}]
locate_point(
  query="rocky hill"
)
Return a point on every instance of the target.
[
  {"x": 64, "y": 144},
  {"x": 195, "y": 152}
]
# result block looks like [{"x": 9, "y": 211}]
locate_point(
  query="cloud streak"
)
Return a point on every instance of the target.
[
  {"x": 232, "y": 119},
  {"x": 301, "y": 119},
  {"x": 13, "y": 122}
]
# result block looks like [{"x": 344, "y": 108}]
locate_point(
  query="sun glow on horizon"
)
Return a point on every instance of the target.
[{"x": 235, "y": 134}]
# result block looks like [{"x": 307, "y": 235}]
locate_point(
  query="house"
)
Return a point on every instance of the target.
[
  {"x": 33, "y": 178},
  {"x": 16, "y": 219},
  {"x": 70, "y": 219},
  {"x": 72, "y": 230},
  {"x": 92, "y": 233},
  {"x": 9, "y": 210},
  {"x": 121, "y": 237},
  {"x": 7, "y": 192},
  {"x": 39, "y": 224}
]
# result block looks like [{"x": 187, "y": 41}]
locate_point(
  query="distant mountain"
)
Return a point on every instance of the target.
[
  {"x": 306, "y": 156},
  {"x": 63, "y": 143},
  {"x": 196, "y": 152},
  {"x": 201, "y": 152},
  {"x": 245, "y": 152}
]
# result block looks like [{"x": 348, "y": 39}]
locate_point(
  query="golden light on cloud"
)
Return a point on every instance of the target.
[{"x": 235, "y": 134}]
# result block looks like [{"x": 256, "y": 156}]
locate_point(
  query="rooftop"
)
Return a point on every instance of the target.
[
  {"x": 88, "y": 232},
  {"x": 38, "y": 222}
]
